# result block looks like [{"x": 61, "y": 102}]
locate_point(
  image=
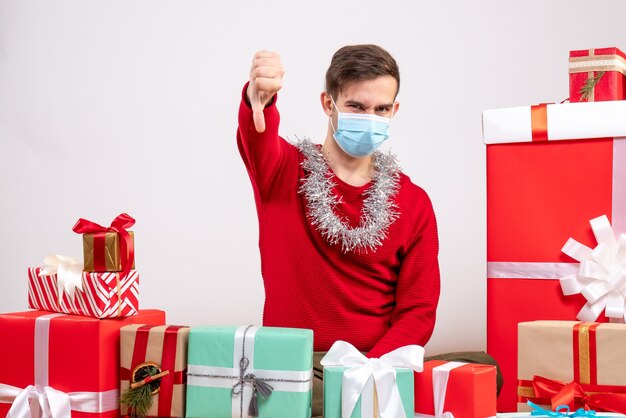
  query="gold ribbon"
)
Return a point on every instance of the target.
[
  {"x": 584, "y": 358},
  {"x": 119, "y": 295},
  {"x": 597, "y": 63}
]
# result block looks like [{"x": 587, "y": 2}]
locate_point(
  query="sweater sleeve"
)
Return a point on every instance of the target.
[
  {"x": 267, "y": 156},
  {"x": 417, "y": 289}
]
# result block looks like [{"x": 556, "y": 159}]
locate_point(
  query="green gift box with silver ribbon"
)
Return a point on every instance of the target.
[{"x": 236, "y": 372}]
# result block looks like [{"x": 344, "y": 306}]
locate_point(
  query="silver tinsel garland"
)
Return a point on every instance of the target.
[{"x": 379, "y": 210}]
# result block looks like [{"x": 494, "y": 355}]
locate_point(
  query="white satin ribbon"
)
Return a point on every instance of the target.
[
  {"x": 441, "y": 375},
  {"x": 601, "y": 277},
  {"x": 47, "y": 402},
  {"x": 529, "y": 270},
  {"x": 362, "y": 370},
  {"x": 42, "y": 401},
  {"x": 69, "y": 271}
]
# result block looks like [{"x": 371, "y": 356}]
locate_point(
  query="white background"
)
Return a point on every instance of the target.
[{"x": 131, "y": 106}]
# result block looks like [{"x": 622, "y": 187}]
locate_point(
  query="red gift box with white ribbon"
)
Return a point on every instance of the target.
[
  {"x": 455, "y": 389},
  {"x": 550, "y": 170},
  {"x": 62, "y": 365}
]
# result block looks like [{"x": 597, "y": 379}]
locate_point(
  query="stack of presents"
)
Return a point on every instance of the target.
[
  {"x": 87, "y": 350},
  {"x": 556, "y": 243},
  {"x": 556, "y": 213}
]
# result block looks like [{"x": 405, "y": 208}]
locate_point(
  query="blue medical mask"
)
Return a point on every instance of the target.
[{"x": 359, "y": 134}]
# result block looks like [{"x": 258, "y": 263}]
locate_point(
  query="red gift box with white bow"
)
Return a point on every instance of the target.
[
  {"x": 59, "y": 365},
  {"x": 551, "y": 169}
]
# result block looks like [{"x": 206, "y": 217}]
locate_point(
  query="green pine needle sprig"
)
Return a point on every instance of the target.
[
  {"x": 586, "y": 90},
  {"x": 139, "y": 399}
]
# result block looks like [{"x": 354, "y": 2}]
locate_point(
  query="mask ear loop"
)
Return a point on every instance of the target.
[{"x": 331, "y": 115}]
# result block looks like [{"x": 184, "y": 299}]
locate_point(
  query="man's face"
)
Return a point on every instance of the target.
[{"x": 376, "y": 96}]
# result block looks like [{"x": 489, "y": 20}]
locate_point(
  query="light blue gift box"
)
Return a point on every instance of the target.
[
  {"x": 280, "y": 357},
  {"x": 332, "y": 392}
]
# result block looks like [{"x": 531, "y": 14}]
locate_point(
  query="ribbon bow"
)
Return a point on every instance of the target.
[
  {"x": 560, "y": 411},
  {"x": 50, "y": 402},
  {"x": 361, "y": 369},
  {"x": 259, "y": 387},
  {"x": 47, "y": 402},
  {"x": 573, "y": 395},
  {"x": 119, "y": 225},
  {"x": 69, "y": 271},
  {"x": 601, "y": 278}
]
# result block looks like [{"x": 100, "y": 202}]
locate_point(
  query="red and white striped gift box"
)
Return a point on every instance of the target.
[{"x": 103, "y": 295}]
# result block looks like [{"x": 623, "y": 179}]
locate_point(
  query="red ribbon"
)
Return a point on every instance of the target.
[
  {"x": 539, "y": 122},
  {"x": 119, "y": 225},
  {"x": 573, "y": 395}
]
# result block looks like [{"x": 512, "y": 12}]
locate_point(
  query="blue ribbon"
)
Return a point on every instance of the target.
[{"x": 561, "y": 411}]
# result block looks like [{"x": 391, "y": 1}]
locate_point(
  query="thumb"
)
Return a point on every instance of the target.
[{"x": 257, "y": 116}]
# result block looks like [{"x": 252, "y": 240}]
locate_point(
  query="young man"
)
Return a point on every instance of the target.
[{"x": 348, "y": 243}]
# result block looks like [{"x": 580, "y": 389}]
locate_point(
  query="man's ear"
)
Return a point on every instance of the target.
[
  {"x": 396, "y": 107},
  {"x": 327, "y": 104}
]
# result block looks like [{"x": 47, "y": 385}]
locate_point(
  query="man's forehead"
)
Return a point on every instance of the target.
[{"x": 380, "y": 89}]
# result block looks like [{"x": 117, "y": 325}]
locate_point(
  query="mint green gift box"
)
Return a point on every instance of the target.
[
  {"x": 333, "y": 385},
  {"x": 282, "y": 357}
]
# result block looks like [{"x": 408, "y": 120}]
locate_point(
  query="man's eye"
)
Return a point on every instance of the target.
[
  {"x": 355, "y": 106},
  {"x": 383, "y": 109}
]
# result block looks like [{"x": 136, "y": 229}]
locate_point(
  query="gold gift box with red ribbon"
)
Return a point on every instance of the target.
[
  {"x": 108, "y": 248},
  {"x": 148, "y": 349},
  {"x": 597, "y": 75},
  {"x": 101, "y": 251},
  {"x": 579, "y": 364}
]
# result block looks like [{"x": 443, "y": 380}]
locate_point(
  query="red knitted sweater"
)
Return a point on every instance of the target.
[{"x": 377, "y": 301}]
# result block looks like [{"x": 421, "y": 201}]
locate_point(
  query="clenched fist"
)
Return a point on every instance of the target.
[{"x": 266, "y": 78}]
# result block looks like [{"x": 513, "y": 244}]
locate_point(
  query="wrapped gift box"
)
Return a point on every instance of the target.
[
  {"x": 368, "y": 400},
  {"x": 462, "y": 389},
  {"x": 356, "y": 386},
  {"x": 230, "y": 367},
  {"x": 163, "y": 348},
  {"x": 606, "y": 65},
  {"x": 550, "y": 169},
  {"x": 101, "y": 251},
  {"x": 103, "y": 295},
  {"x": 107, "y": 248},
  {"x": 552, "y": 354},
  {"x": 63, "y": 358}
]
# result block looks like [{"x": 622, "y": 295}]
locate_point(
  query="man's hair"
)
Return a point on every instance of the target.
[{"x": 355, "y": 63}]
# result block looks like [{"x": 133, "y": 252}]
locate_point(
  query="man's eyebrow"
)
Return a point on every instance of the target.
[
  {"x": 362, "y": 105},
  {"x": 354, "y": 102}
]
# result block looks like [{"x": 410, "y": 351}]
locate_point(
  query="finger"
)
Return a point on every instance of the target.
[
  {"x": 258, "y": 117},
  {"x": 272, "y": 62},
  {"x": 266, "y": 54},
  {"x": 268, "y": 85},
  {"x": 267, "y": 72}
]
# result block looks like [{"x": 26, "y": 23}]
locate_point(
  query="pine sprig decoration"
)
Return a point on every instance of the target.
[
  {"x": 139, "y": 397},
  {"x": 586, "y": 90}
]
